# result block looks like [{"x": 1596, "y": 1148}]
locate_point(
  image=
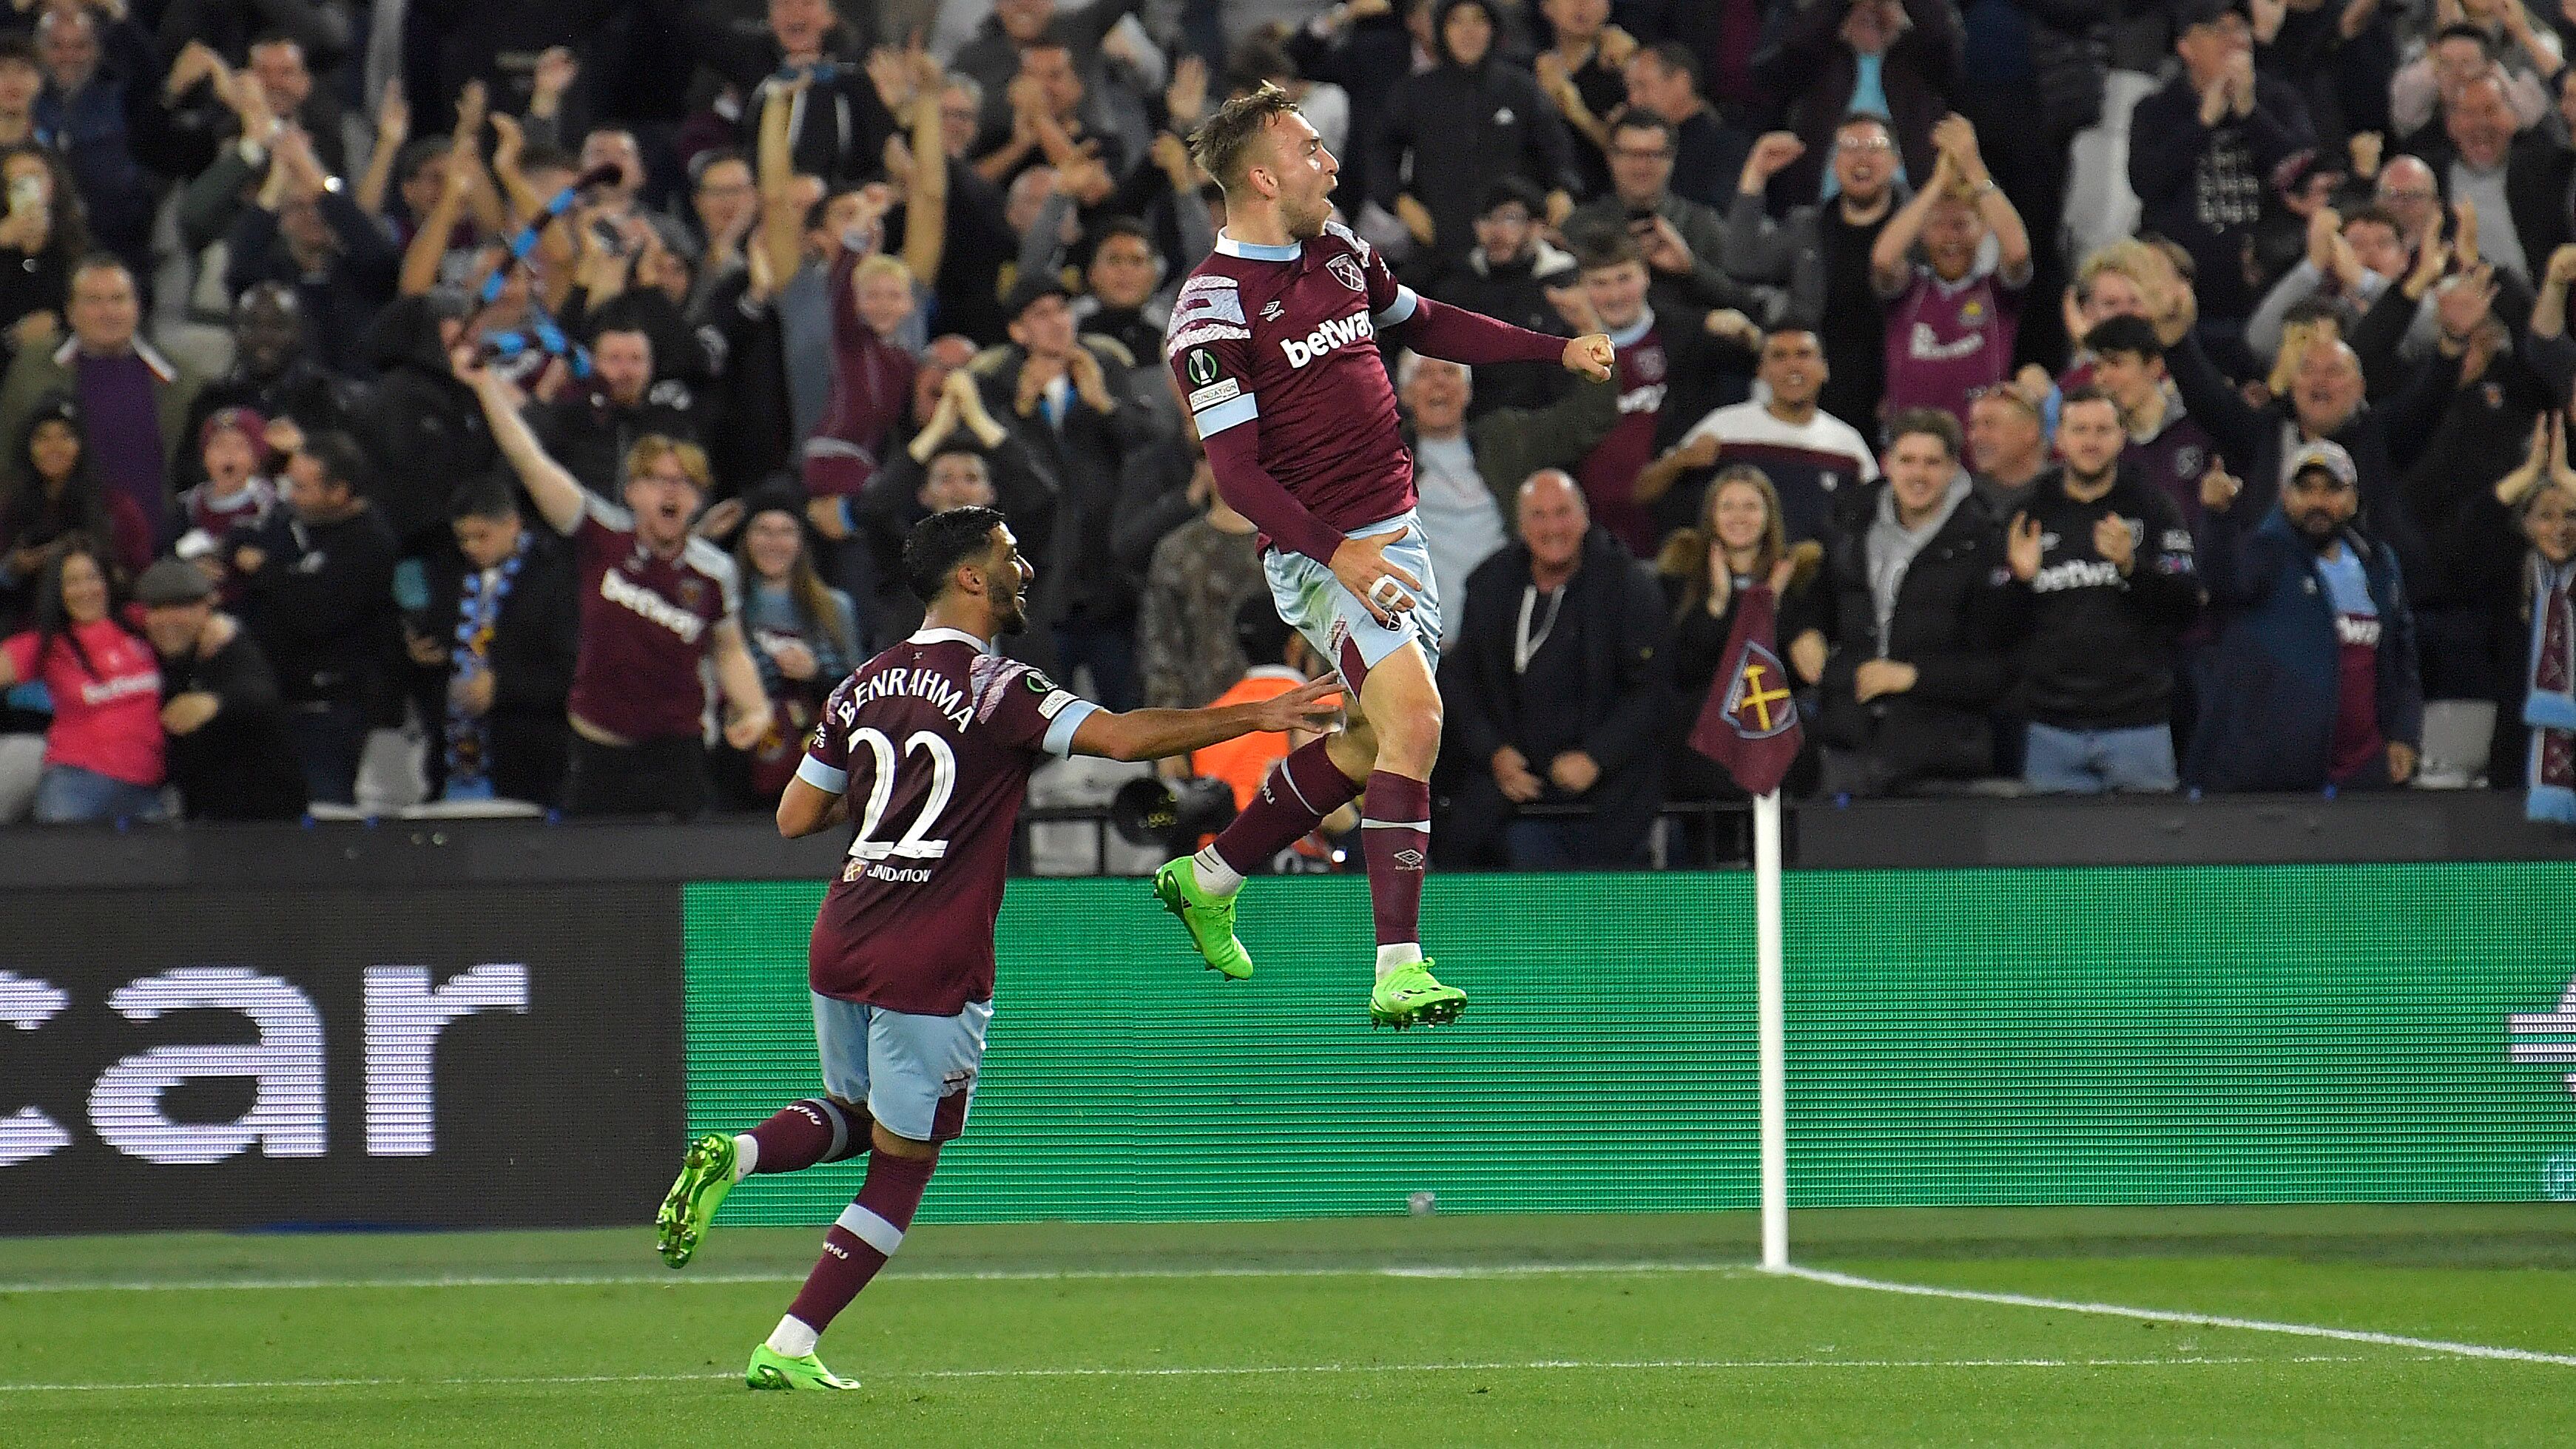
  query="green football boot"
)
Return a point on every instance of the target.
[
  {"x": 1409, "y": 996},
  {"x": 689, "y": 1208},
  {"x": 1209, "y": 917},
  {"x": 771, "y": 1369}
]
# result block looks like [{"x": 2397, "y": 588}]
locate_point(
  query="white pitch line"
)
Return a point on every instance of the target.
[
  {"x": 933, "y": 1275},
  {"x": 2197, "y": 1320},
  {"x": 1227, "y": 1371}
]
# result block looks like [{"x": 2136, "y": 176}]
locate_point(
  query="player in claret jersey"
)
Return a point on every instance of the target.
[
  {"x": 1274, "y": 341},
  {"x": 929, "y": 746}
]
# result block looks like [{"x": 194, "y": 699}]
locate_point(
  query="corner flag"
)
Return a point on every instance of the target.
[{"x": 1750, "y": 722}]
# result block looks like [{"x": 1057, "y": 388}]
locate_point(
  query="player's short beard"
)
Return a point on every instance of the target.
[
  {"x": 1010, "y": 614},
  {"x": 1302, "y": 224}
]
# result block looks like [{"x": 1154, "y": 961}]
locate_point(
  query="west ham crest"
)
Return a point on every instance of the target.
[
  {"x": 1347, "y": 272},
  {"x": 1758, "y": 703},
  {"x": 1650, "y": 363}
]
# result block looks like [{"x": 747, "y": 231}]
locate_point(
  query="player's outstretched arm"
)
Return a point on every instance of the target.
[
  {"x": 1159, "y": 734},
  {"x": 1455, "y": 334}
]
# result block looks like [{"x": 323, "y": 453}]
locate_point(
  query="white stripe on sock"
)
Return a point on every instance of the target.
[
  {"x": 1422, "y": 825},
  {"x": 864, "y": 1225},
  {"x": 1289, "y": 780},
  {"x": 840, "y": 1128}
]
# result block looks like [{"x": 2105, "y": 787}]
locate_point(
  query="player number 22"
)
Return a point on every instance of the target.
[{"x": 943, "y": 783}]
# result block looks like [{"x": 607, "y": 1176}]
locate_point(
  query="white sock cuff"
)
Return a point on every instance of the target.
[
  {"x": 1397, "y": 956},
  {"x": 865, "y": 1225},
  {"x": 793, "y": 1337},
  {"x": 1214, "y": 874}
]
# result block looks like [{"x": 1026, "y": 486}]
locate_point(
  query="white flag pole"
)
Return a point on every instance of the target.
[{"x": 1770, "y": 1031}]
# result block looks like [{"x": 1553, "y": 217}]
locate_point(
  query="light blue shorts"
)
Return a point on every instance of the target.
[
  {"x": 916, "y": 1074},
  {"x": 1315, "y": 604}
]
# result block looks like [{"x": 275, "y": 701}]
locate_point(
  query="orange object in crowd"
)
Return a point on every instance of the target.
[{"x": 1243, "y": 761}]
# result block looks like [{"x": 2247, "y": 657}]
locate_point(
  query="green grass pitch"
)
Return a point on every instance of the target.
[{"x": 1435, "y": 1331}]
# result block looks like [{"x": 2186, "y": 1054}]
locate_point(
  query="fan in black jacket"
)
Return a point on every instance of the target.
[
  {"x": 229, "y": 751},
  {"x": 422, "y": 429},
  {"x": 1919, "y": 617},
  {"x": 318, "y": 595},
  {"x": 1578, "y": 723},
  {"x": 1465, "y": 125}
]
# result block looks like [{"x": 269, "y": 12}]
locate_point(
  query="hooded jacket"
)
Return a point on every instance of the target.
[
  {"x": 422, "y": 429},
  {"x": 1464, "y": 128},
  {"x": 1951, "y": 620}
]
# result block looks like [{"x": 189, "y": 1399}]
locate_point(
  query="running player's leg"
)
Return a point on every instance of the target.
[
  {"x": 922, "y": 1074},
  {"x": 1401, "y": 702},
  {"x": 1312, "y": 782},
  {"x": 828, "y": 1128}
]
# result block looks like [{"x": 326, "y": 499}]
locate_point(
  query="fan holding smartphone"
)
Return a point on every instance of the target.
[{"x": 41, "y": 236}]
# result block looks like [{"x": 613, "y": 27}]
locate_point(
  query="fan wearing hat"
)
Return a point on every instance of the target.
[
  {"x": 2207, "y": 143},
  {"x": 238, "y": 495},
  {"x": 2314, "y": 681},
  {"x": 229, "y": 752}
]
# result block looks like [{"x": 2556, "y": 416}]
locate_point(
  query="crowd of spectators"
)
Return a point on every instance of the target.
[{"x": 2119, "y": 395}]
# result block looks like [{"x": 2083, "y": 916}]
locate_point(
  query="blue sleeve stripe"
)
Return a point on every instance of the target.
[
  {"x": 1400, "y": 310},
  {"x": 1227, "y": 414},
  {"x": 822, "y": 776},
  {"x": 1059, "y": 735}
]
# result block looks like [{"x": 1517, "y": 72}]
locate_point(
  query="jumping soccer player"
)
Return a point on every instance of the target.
[
  {"x": 937, "y": 737},
  {"x": 1274, "y": 340}
]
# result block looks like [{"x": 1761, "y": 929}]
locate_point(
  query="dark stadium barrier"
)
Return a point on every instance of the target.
[
  {"x": 515, "y": 1024},
  {"x": 336, "y": 1056}
]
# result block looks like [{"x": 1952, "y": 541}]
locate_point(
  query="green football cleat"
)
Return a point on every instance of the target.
[
  {"x": 771, "y": 1369},
  {"x": 689, "y": 1208},
  {"x": 1410, "y": 997},
  {"x": 1209, "y": 917}
]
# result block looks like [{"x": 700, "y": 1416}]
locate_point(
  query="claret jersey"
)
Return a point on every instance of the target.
[
  {"x": 1287, "y": 335},
  {"x": 933, "y": 742}
]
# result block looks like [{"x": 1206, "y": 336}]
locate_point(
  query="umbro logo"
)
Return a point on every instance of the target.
[
  {"x": 1270, "y": 310},
  {"x": 1407, "y": 859}
]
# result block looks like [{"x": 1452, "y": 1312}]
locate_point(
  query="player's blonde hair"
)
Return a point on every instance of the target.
[{"x": 1223, "y": 144}]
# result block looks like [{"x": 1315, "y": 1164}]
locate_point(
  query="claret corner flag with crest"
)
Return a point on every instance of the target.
[{"x": 1750, "y": 722}]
